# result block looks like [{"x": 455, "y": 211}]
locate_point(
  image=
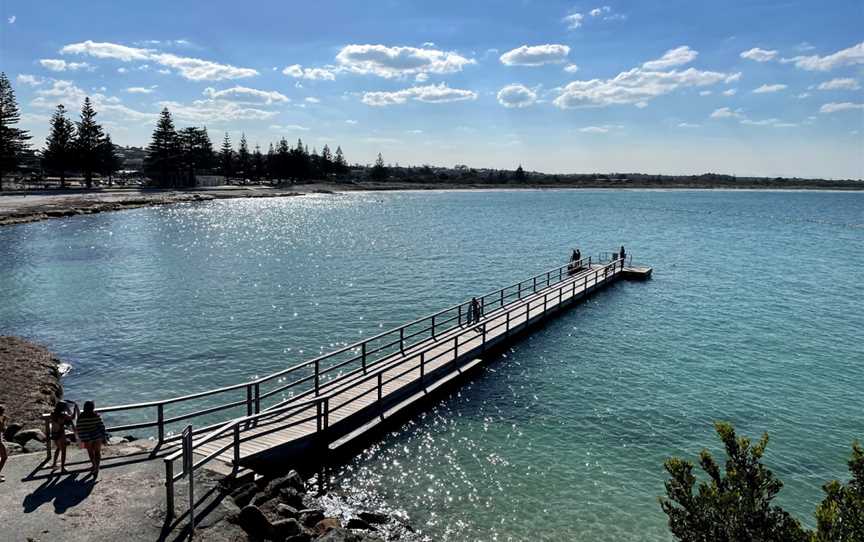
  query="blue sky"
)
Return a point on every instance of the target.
[{"x": 747, "y": 88}]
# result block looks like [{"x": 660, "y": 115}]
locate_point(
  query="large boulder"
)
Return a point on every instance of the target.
[
  {"x": 374, "y": 518},
  {"x": 357, "y": 523},
  {"x": 292, "y": 480},
  {"x": 284, "y": 528},
  {"x": 310, "y": 517},
  {"x": 254, "y": 522},
  {"x": 291, "y": 497},
  {"x": 11, "y": 430},
  {"x": 341, "y": 535},
  {"x": 326, "y": 525},
  {"x": 24, "y": 436},
  {"x": 287, "y": 511}
]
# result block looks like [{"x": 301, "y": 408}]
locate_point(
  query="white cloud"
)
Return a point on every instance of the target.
[
  {"x": 733, "y": 78},
  {"x": 516, "y": 96},
  {"x": 672, "y": 57},
  {"x": 725, "y": 113},
  {"x": 430, "y": 94},
  {"x": 392, "y": 62},
  {"x": 759, "y": 55},
  {"x": 571, "y": 68},
  {"x": 421, "y": 77},
  {"x": 765, "y": 89},
  {"x": 194, "y": 69},
  {"x": 636, "y": 86},
  {"x": 312, "y": 100},
  {"x": 840, "y": 84},
  {"x": 536, "y": 55},
  {"x": 122, "y": 70},
  {"x": 12, "y": 19},
  {"x": 705, "y": 93},
  {"x": 212, "y": 111},
  {"x": 59, "y": 65},
  {"x": 352, "y": 122},
  {"x": 834, "y": 107},
  {"x": 803, "y": 95},
  {"x": 141, "y": 90},
  {"x": 573, "y": 21},
  {"x": 289, "y": 128},
  {"x": 764, "y": 122},
  {"x": 70, "y": 95},
  {"x": 688, "y": 125},
  {"x": 315, "y": 74},
  {"x": 596, "y": 12},
  {"x": 246, "y": 95},
  {"x": 594, "y": 130},
  {"x": 847, "y": 57},
  {"x": 730, "y": 92},
  {"x": 26, "y": 79}
]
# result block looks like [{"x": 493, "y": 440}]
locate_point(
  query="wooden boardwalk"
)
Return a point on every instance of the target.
[{"x": 348, "y": 403}]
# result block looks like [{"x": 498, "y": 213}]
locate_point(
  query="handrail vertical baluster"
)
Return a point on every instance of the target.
[
  {"x": 402, "y": 339},
  {"x": 160, "y": 420},
  {"x": 169, "y": 488},
  {"x": 363, "y": 354},
  {"x": 317, "y": 378},
  {"x": 257, "y": 397},
  {"x": 236, "y": 448}
]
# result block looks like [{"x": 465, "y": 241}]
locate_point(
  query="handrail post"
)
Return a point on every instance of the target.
[
  {"x": 257, "y": 397},
  {"x": 160, "y": 421},
  {"x": 188, "y": 467},
  {"x": 380, "y": 405},
  {"x": 460, "y": 315},
  {"x": 318, "y": 416},
  {"x": 47, "y": 421},
  {"x": 502, "y": 298},
  {"x": 455, "y": 347},
  {"x": 236, "y": 447},
  {"x": 507, "y": 329},
  {"x": 545, "y": 296},
  {"x": 169, "y": 488},
  {"x": 317, "y": 377},
  {"x": 433, "y": 326},
  {"x": 363, "y": 354},
  {"x": 402, "y": 339},
  {"x": 249, "y": 400},
  {"x": 548, "y": 278},
  {"x": 484, "y": 336},
  {"x": 519, "y": 296},
  {"x": 326, "y": 412},
  {"x": 535, "y": 285},
  {"x": 560, "y": 274}
]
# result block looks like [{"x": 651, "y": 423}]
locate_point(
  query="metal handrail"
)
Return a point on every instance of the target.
[{"x": 366, "y": 349}]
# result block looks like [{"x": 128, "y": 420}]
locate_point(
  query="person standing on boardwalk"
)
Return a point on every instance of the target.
[
  {"x": 59, "y": 420},
  {"x": 622, "y": 255},
  {"x": 91, "y": 433},
  {"x": 476, "y": 309},
  {"x": 3, "y": 453}
]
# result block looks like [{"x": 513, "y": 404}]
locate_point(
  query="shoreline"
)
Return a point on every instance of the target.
[{"x": 26, "y": 207}]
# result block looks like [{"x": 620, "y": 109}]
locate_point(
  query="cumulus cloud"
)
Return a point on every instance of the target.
[
  {"x": 141, "y": 90},
  {"x": 594, "y": 130},
  {"x": 312, "y": 100},
  {"x": 765, "y": 89},
  {"x": 571, "y": 68},
  {"x": 536, "y": 55},
  {"x": 840, "y": 84},
  {"x": 70, "y": 95},
  {"x": 726, "y": 113},
  {"x": 636, "y": 86},
  {"x": 12, "y": 19},
  {"x": 60, "y": 65},
  {"x": 393, "y": 62},
  {"x": 835, "y": 107},
  {"x": 847, "y": 57},
  {"x": 440, "y": 93},
  {"x": 516, "y": 96},
  {"x": 210, "y": 111},
  {"x": 730, "y": 92},
  {"x": 246, "y": 95},
  {"x": 26, "y": 79},
  {"x": 672, "y": 57},
  {"x": 573, "y": 21},
  {"x": 351, "y": 122},
  {"x": 759, "y": 55},
  {"x": 194, "y": 69},
  {"x": 315, "y": 74}
]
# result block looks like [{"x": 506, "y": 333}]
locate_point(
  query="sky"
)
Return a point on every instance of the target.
[{"x": 757, "y": 87}]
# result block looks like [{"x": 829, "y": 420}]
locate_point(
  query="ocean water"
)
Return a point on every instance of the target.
[{"x": 754, "y": 316}]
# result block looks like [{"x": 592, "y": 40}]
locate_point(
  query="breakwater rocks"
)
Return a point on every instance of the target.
[
  {"x": 29, "y": 387},
  {"x": 281, "y": 509}
]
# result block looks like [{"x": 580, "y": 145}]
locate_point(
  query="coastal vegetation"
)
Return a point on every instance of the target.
[{"x": 736, "y": 503}]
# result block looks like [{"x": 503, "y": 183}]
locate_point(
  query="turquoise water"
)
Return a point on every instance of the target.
[{"x": 753, "y": 316}]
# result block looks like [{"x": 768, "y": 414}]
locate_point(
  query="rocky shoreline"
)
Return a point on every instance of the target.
[
  {"x": 285, "y": 509},
  {"x": 25, "y": 208},
  {"x": 30, "y": 387}
]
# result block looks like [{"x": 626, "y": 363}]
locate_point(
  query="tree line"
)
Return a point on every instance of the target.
[
  {"x": 175, "y": 157},
  {"x": 81, "y": 146}
]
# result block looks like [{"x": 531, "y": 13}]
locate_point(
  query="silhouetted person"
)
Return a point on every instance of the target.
[
  {"x": 3, "y": 453},
  {"x": 474, "y": 311},
  {"x": 622, "y": 255},
  {"x": 91, "y": 433}
]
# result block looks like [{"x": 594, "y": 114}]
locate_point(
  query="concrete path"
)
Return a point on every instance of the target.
[{"x": 127, "y": 503}]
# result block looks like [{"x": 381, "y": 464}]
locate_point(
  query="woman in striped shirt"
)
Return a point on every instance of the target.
[{"x": 91, "y": 432}]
